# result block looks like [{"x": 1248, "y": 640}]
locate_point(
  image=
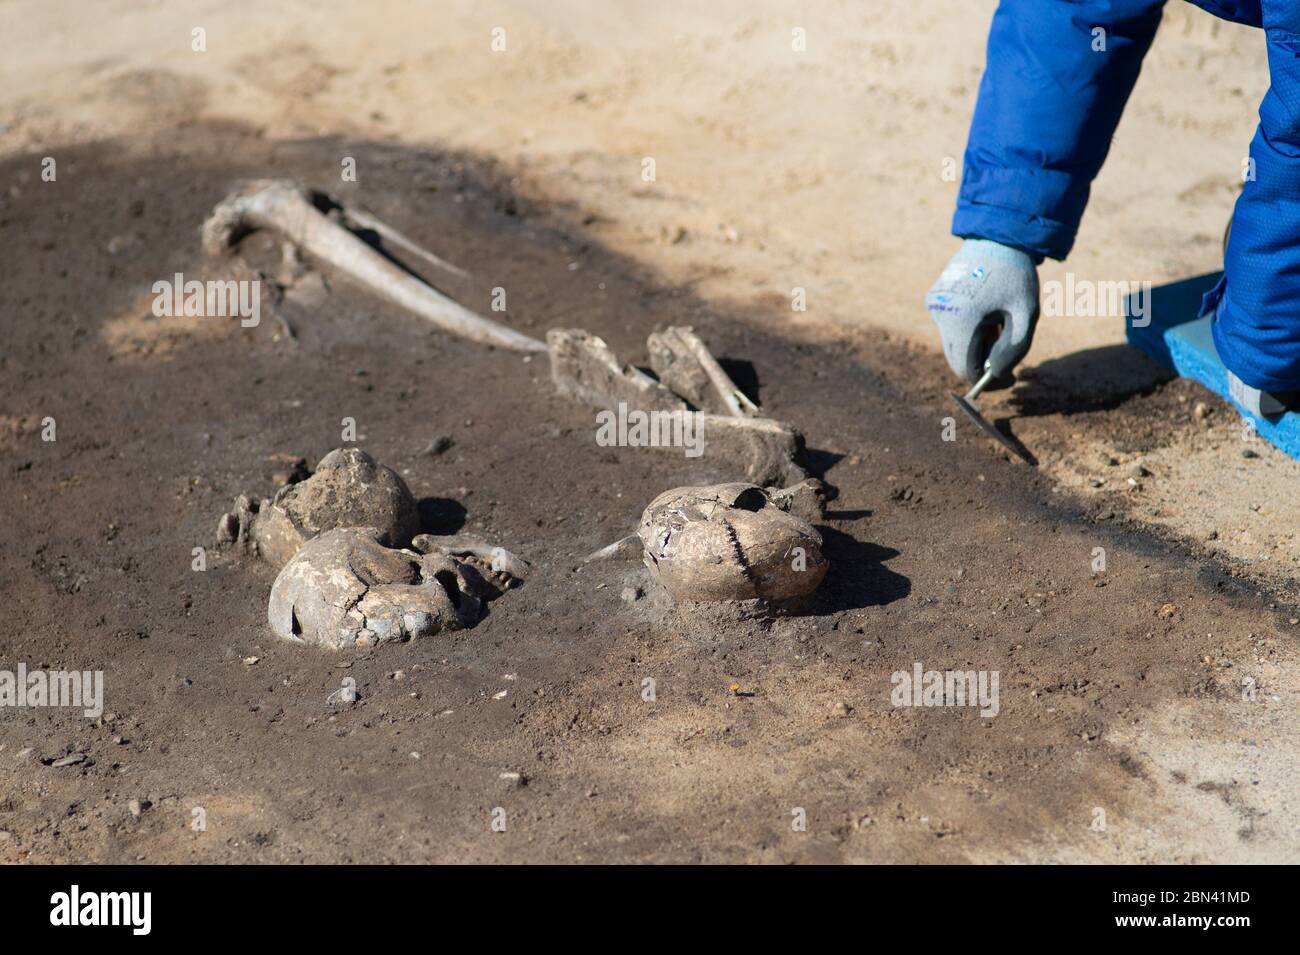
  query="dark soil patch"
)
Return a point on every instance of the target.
[{"x": 943, "y": 553}]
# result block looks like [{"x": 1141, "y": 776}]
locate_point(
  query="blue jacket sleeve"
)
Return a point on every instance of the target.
[{"x": 1051, "y": 97}]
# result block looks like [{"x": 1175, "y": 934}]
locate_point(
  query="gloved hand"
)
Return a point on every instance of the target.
[{"x": 986, "y": 305}]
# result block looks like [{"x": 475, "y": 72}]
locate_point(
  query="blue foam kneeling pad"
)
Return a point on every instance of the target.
[{"x": 1171, "y": 333}]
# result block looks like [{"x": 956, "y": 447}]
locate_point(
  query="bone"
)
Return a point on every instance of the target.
[
  {"x": 307, "y": 291},
  {"x": 806, "y": 500},
  {"x": 729, "y": 542},
  {"x": 462, "y": 545},
  {"x": 625, "y": 548},
  {"x": 770, "y": 449},
  {"x": 366, "y": 220},
  {"x": 685, "y": 365},
  {"x": 348, "y": 489},
  {"x": 287, "y": 209},
  {"x": 344, "y": 590},
  {"x": 291, "y": 265},
  {"x": 585, "y": 369}
]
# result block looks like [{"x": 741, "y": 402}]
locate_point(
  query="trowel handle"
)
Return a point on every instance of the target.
[
  {"x": 1002, "y": 357},
  {"x": 996, "y": 364}
]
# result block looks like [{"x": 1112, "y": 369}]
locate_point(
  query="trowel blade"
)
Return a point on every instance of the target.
[{"x": 1009, "y": 443}]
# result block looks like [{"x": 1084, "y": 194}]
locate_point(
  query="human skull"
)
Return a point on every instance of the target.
[
  {"x": 344, "y": 589},
  {"x": 729, "y": 542},
  {"x": 348, "y": 489}
]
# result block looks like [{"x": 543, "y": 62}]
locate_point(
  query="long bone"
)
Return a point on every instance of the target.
[
  {"x": 286, "y": 208},
  {"x": 685, "y": 365}
]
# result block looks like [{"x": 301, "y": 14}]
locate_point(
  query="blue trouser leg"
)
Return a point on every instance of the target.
[{"x": 1257, "y": 325}]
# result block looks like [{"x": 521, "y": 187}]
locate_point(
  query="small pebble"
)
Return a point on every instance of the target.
[{"x": 438, "y": 445}]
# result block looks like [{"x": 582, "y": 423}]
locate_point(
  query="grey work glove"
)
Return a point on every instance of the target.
[{"x": 986, "y": 305}]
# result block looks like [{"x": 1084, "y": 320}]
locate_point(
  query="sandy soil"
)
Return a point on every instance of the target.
[{"x": 1122, "y": 691}]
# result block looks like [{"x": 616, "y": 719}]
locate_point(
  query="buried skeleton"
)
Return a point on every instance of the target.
[{"x": 348, "y": 578}]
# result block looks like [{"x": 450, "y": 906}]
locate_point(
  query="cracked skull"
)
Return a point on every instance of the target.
[
  {"x": 345, "y": 589},
  {"x": 729, "y": 542}
]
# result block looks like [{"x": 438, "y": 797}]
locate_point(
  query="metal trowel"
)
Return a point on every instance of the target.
[{"x": 967, "y": 404}]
